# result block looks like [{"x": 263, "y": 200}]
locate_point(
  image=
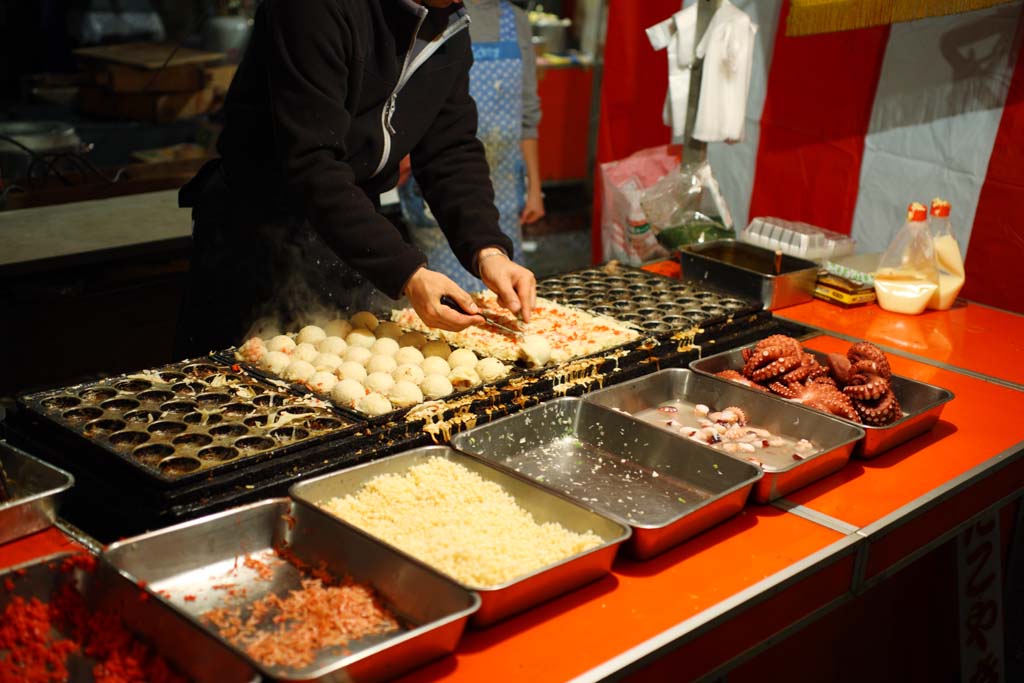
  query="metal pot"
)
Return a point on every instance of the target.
[
  {"x": 554, "y": 34},
  {"x": 42, "y": 137}
]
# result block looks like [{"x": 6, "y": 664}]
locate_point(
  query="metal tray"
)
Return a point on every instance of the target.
[
  {"x": 665, "y": 487},
  {"x": 504, "y": 600},
  {"x": 833, "y": 438},
  {"x": 750, "y": 271},
  {"x": 35, "y": 488},
  {"x": 182, "y": 421},
  {"x": 188, "y": 649},
  {"x": 196, "y": 559},
  {"x": 922, "y": 404}
]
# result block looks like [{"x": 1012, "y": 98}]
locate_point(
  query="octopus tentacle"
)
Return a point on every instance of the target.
[
  {"x": 881, "y": 411},
  {"x": 866, "y": 351},
  {"x": 773, "y": 369},
  {"x": 736, "y": 376},
  {"x": 867, "y": 387}
]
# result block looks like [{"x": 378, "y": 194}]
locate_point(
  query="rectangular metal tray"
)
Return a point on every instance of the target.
[
  {"x": 191, "y": 559},
  {"x": 185, "y": 647},
  {"x": 665, "y": 487},
  {"x": 834, "y": 438},
  {"x": 504, "y": 600},
  {"x": 35, "y": 488},
  {"x": 922, "y": 404},
  {"x": 750, "y": 271}
]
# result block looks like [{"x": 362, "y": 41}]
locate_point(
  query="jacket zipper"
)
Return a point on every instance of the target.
[{"x": 408, "y": 69}]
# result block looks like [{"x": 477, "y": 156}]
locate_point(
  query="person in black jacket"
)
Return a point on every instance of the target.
[{"x": 329, "y": 97}]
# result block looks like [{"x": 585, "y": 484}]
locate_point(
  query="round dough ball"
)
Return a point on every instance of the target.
[
  {"x": 335, "y": 345},
  {"x": 326, "y": 361},
  {"x": 305, "y": 351},
  {"x": 299, "y": 371},
  {"x": 491, "y": 369},
  {"x": 252, "y": 350},
  {"x": 435, "y": 365},
  {"x": 462, "y": 358},
  {"x": 408, "y": 355},
  {"x": 360, "y": 337},
  {"x": 381, "y": 363},
  {"x": 381, "y": 382},
  {"x": 322, "y": 382},
  {"x": 385, "y": 346},
  {"x": 415, "y": 339},
  {"x": 338, "y": 327},
  {"x": 408, "y": 373},
  {"x": 437, "y": 348},
  {"x": 389, "y": 330},
  {"x": 347, "y": 392},
  {"x": 374, "y": 404},
  {"x": 358, "y": 354},
  {"x": 275, "y": 362},
  {"x": 404, "y": 394},
  {"x": 463, "y": 378},
  {"x": 365, "y": 319},
  {"x": 352, "y": 370},
  {"x": 282, "y": 343},
  {"x": 535, "y": 350},
  {"x": 311, "y": 334},
  {"x": 436, "y": 386}
]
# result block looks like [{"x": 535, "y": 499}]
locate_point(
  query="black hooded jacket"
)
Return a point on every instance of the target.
[{"x": 319, "y": 116}]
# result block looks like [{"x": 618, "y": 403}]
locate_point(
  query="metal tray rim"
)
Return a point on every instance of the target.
[
  {"x": 811, "y": 264},
  {"x": 39, "y": 495},
  {"x": 296, "y": 493}
]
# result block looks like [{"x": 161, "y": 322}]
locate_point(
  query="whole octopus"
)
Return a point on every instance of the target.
[{"x": 856, "y": 386}]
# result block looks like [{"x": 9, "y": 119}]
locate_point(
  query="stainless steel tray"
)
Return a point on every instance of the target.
[
  {"x": 834, "y": 439},
  {"x": 185, "y": 647},
  {"x": 922, "y": 404},
  {"x": 188, "y": 565},
  {"x": 504, "y": 600},
  {"x": 779, "y": 280},
  {"x": 35, "y": 488},
  {"x": 665, "y": 487}
]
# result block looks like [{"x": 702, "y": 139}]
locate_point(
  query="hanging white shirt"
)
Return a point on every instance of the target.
[
  {"x": 727, "y": 49},
  {"x": 676, "y": 34}
]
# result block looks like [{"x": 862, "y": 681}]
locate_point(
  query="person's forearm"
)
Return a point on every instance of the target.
[{"x": 531, "y": 158}]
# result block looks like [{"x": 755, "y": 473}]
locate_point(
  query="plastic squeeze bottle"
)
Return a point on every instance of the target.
[
  {"x": 907, "y": 274},
  {"x": 947, "y": 254}
]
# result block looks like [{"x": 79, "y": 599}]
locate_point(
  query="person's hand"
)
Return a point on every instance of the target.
[
  {"x": 534, "y": 209},
  {"x": 515, "y": 286},
  {"x": 425, "y": 289}
]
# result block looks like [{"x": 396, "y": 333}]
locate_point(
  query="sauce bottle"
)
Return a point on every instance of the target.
[
  {"x": 907, "y": 274},
  {"x": 947, "y": 254}
]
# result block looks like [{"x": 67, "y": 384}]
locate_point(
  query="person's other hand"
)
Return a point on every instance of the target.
[
  {"x": 425, "y": 289},
  {"x": 515, "y": 286},
  {"x": 534, "y": 209}
]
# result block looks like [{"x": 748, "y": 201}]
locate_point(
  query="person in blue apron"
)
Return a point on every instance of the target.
[
  {"x": 330, "y": 96},
  {"x": 503, "y": 83}
]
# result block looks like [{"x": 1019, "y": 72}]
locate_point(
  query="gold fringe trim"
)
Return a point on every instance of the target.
[{"x": 807, "y": 17}]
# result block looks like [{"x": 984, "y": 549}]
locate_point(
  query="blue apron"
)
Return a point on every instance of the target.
[{"x": 495, "y": 83}]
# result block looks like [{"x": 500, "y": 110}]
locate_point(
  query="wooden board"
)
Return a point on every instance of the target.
[
  {"x": 148, "y": 55},
  {"x": 156, "y": 107}
]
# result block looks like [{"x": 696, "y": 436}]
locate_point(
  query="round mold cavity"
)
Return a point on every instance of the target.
[
  {"x": 605, "y": 310},
  {"x": 156, "y": 396},
  {"x": 622, "y": 304},
  {"x": 640, "y": 288},
  {"x": 734, "y": 304},
  {"x": 254, "y": 444},
  {"x": 614, "y": 280},
  {"x": 582, "y": 302},
  {"x": 167, "y": 428},
  {"x": 104, "y": 426},
  {"x": 128, "y": 439},
  {"x": 573, "y": 280},
  {"x": 193, "y": 440},
  {"x": 712, "y": 309},
  {"x": 232, "y": 430},
  {"x": 143, "y": 416},
  {"x": 298, "y": 410},
  {"x": 188, "y": 388},
  {"x": 666, "y": 306},
  {"x": 238, "y": 410},
  {"x": 97, "y": 394},
  {"x": 695, "y": 313},
  {"x": 212, "y": 399},
  {"x": 550, "y": 292},
  {"x": 232, "y": 377},
  {"x": 269, "y": 400},
  {"x": 644, "y": 301},
  {"x": 120, "y": 404},
  {"x": 83, "y": 413},
  {"x": 133, "y": 386},
  {"x": 654, "y": 326},
  {"x": 152, "y": 453},
  {"x": 577, "y": 291},
  {"x": 61, "y": 402},
  {"x": 179, "y": 464},
  {"x": 687, "y": 302},
  {"x": 323, "y": 423},
  {"x": 703, "y": 296},
  {"x": 199, "y": 370},
  {"x": 205, "y": 419},
  {"x": 178, "y": 407},
  {"x": 287, "y": 434},
  {"x": 256, "y": 421},
  {"x": 172, "y": 377},
  {"x": 217, "y": 453},
  {"x": 649, "y": 313},
  {"x": 631, "y": 317},
  {"x": 677, "y": 321}
]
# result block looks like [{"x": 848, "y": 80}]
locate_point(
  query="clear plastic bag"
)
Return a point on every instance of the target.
[
  {"x": 908, "y": 273},
  {"x": 686, "y": 206}
]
